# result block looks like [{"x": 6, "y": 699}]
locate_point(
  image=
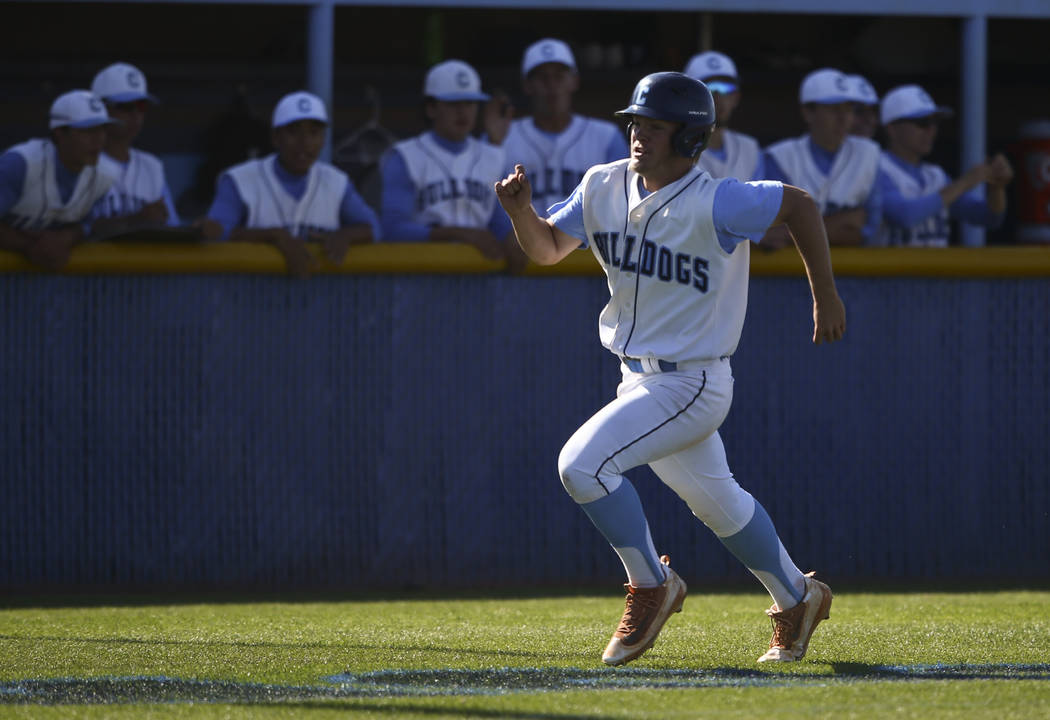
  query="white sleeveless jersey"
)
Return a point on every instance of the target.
[
  {"x": 556, "y": 165},
  {"x": 742, "y": 156},
  {"x": 848, "y": 183},
  {"x": 138, "y": 183},
  {"x": 269, "y": 204},
  {"x": 452, "y": 190},
  {"x": 676, "y": 295},
  {"x": 931, "y": 232},
  {"x": 40, "y": 206}
]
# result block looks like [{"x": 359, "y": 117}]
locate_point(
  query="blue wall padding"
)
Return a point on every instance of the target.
[{"x": 395, "y": 431}]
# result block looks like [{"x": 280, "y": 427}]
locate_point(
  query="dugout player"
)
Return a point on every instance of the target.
[
  {"x": 556, "y": 145},
  {"x": 673, "y": 242},
  {"x": 140, "y": 195},
  {"x": 48, "y": 187},
  {"x": 837, "y": 169},
  {"x": 919, "y": 198},
  {"x": 728, "y": 153},
  {"x": 436, "y": 185},
  {"x": 290, "y": 197},
  {"x": 866, "y": 109}
]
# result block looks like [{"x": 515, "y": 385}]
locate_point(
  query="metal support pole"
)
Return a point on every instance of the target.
[
  {"x": 320, "y": 44},
  {"x": 973, "y": 113}
]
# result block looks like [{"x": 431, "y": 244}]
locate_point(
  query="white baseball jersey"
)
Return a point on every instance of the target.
[
  {"x": 138, "y": 183},
  {"x": 452, "y": 190},
  {"x": 556, "y": 165},
  {"x": 849, "y": 181},
  {"x": 931, "y": 232},
  {"x": 40, "y": 205},
  {"x": 742, "y": 154},
  {"x": 269, "y": 205},
  {"x": 676, "y": 294}
]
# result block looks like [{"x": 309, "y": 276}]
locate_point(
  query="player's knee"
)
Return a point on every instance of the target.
[{"x": 579, "y": 481}]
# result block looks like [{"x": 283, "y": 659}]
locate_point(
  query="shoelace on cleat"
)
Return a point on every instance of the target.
[
  {"x": 783, "y": 627},
  {"x": 638, "y": 604}
]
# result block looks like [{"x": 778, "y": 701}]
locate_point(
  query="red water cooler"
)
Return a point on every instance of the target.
[{"x": 1033, "y": 183}]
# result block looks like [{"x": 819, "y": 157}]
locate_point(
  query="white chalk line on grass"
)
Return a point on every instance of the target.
[{"x": 489, "y": 681}]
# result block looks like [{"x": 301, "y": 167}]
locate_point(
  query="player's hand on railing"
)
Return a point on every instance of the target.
[
  {"x": 1000, "y": 172},
  {"x": 298, "y": 257},
  {"x": 155, "y": 212},
  {"x": 515, "y": 191},
  {"x": 486, "y": 243},
  {"x": 50, "y": 249}
]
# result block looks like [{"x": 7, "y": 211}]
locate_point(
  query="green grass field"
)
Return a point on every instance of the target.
[{"x": 916, "y": 655}]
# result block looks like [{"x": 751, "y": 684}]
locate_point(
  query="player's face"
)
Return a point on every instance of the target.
[
  {"x": 651, "y": 153},
  {"x": 725, "y": 104},
  {"x": 453, "y": 120},
  {"x": 299, "y": 144},
  {"x": 551, "y": 87},
  {"x": 829, "y": 124},
  {"x": 913, "y": 138},
  {"x": 865, "y": 121},
  {"x": 131, "y": 115},
  {"x": 79, "y": 147}
]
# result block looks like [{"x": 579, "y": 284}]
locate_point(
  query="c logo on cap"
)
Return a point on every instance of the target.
[
  {"x": 95, "y": 105},
  {"x": 840, "y": 83},
  {"x": 304, "y": 105},
  {"x": 133, "y": 79},
  {"x": 547, "y": 50},
  {"x": 463, "y": 78},
  {"x": 713, "y": 63}
]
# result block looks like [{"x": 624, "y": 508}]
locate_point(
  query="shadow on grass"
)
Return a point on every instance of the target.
[{"x": 390, "y": 684}]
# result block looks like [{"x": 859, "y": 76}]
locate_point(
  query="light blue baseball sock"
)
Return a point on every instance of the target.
[
  {"x": 759, "y": 548},
  {"x": 620, "y": 518}
]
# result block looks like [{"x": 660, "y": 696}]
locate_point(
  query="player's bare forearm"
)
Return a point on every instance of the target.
[
  {"x": 541, "y": 241},
  {"x": 803, "y": 220},
  {"x": 844, "y": 228}
]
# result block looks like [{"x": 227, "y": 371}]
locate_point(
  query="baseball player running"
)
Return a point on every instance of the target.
[{"x": 673, "y": 242}]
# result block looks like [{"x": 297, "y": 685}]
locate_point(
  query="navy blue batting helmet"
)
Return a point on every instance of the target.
[{"x": 678, "y": 98}]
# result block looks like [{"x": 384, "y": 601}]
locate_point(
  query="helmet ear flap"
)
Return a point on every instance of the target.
[{"x": 689, "y": 140}]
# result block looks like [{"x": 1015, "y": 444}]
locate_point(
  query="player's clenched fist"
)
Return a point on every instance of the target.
[{"x": 514, "y": 191}]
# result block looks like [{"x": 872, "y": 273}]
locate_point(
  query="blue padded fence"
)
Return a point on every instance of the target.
[{"x": 392, "y": 431}]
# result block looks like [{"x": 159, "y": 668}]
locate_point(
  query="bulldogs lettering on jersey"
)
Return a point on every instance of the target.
[
  {"x": 269, "y": 204},
  {"x": 556, "y": 164},
  {"x": 40, "y": 206},
  {"x": 676, "y": 294},
  {"x": 452, "y": 190},
  {"x": 847, "y": 184},
  {"x": 138, "y": 183},
  {"x": 742, "y": 154},
  {"x": 931, "y": 232}
]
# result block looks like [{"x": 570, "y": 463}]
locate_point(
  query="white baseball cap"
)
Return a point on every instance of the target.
[
  {"x": 299, "y": 106},
  {"x": 453, "y": 81},
  {"x": 79, "y": 109},
  {"x": 864, "y": 90},
  {"x": 908, "y": 102},
  {"x": 545, "y": 51},
  {"x": 710, "y": 64},
  {"x": 121, "y": 83},
  {"x": 826, "y": 86}
]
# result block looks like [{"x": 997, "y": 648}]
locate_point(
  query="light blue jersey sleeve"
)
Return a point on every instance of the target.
[
  {"x": 744, "y": 211},
  {"x": 355, "y": 211},
  {"x": 169, "y": 203},
  {"x": 873, "y": 210},
  {"x": 903, "y": 211},
  {"x": 972, "y": 208},
  {"x": 12, "y": 178},
  {"x": 227, "y": 209},
  {"x": 395, "y": 208},
  {"x": 567, "y": 216}
]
